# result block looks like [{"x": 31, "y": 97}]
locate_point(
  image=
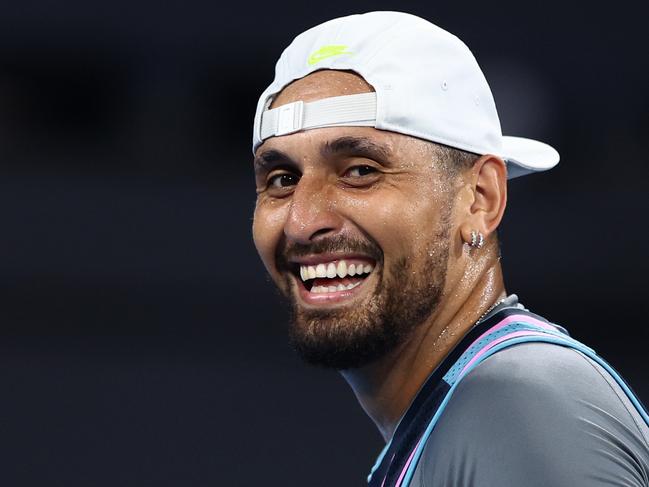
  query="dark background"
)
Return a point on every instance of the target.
[{"x": 141, "y": 343}]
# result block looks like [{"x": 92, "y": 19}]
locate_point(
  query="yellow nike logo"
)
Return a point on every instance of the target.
[{"x": 326, "y": 52}]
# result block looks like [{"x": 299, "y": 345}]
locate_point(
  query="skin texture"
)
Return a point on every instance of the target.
[{"x": 318, "y": 198}]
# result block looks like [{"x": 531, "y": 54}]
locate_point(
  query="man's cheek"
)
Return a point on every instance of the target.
[
  {"x": 264, "y": 249},
  {"x": 266, "y": 243}
]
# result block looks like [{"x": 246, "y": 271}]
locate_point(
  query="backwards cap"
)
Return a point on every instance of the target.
[{"x": 427, "y": 85}]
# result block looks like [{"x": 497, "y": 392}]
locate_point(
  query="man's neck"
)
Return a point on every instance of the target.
[{"x": 386, "y": 388}]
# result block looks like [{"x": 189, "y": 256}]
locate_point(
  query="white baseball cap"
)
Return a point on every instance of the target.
[{"x": 427, "y": 85}]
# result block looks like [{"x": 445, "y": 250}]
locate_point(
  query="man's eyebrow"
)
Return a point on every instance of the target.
[
  {"x": 270, "y": 158},
  {"x": 362, "y": 146}
]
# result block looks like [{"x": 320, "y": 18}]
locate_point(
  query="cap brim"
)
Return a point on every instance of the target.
[{"x": 525, "y": 156}]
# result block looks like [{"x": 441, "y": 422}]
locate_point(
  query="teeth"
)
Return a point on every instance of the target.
[
  {"x": 333, "y": 289},
  {"x": 311, "y": 272},
  {"x": 330, "y": 270}
]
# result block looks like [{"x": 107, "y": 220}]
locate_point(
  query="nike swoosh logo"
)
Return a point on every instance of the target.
[{"x": 326, "y": 52}]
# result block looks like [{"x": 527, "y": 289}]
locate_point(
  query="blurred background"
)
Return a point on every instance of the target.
[{"x": 141, "y": 343}]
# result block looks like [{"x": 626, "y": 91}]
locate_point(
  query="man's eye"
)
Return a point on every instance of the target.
[
  {"x": 282, "y": 180},
  {"x": 359, "y": 171}
]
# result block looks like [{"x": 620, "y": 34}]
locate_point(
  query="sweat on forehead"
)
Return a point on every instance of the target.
[{"x": 322, "y": 84}]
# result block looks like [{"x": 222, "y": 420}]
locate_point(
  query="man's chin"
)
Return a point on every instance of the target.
[
  {"x": 335, "y": 350},
  {"x": 342, "y": 336}
]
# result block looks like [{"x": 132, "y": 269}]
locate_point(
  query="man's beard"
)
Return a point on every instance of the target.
[{"x": 353, "y": 336}]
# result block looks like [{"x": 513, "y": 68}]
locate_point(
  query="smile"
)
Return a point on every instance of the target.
[{"x": 332, "y": 280}]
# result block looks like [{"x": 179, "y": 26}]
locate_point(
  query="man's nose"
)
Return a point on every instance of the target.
[{"x": 312, "y": 211}]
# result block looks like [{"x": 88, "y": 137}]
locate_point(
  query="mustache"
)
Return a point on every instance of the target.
[{"x": 341, "y": 244}]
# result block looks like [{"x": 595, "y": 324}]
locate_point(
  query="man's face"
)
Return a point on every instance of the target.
[{"x": 354, "y": 226}]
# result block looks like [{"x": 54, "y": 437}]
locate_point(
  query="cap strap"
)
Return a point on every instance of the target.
[{"x": 347, "y": 110}]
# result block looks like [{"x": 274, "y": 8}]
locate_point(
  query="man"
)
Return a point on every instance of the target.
[{"x": 381, "y": 180}]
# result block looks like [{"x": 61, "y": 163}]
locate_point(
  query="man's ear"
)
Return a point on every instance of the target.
[{"x": 488, "y": 183}]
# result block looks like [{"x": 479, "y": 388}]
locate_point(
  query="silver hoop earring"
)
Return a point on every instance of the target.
[{"x": 477, "y": 239}]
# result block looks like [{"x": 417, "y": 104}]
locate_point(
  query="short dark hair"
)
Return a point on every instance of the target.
[{"x": 454, "y": 161}]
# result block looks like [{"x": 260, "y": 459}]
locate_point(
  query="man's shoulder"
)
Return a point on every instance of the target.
[
  {"x": 544, "y": 380},
  {"x": 536, "y": 366},
  {"x": 536, "y": 409}
]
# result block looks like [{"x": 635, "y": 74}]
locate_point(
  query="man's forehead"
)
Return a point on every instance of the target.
[
  {"x": 322, "y": 84},
  {"x": 331, "y": 141}
]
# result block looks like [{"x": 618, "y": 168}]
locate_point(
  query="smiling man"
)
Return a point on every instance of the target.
[{"x": 381, "y": 179}]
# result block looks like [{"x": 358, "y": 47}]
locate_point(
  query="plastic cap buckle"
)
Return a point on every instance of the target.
[{"x": 289, "y": 118}]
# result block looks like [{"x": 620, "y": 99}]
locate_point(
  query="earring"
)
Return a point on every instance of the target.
[{"x": 477, "y": 239}]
